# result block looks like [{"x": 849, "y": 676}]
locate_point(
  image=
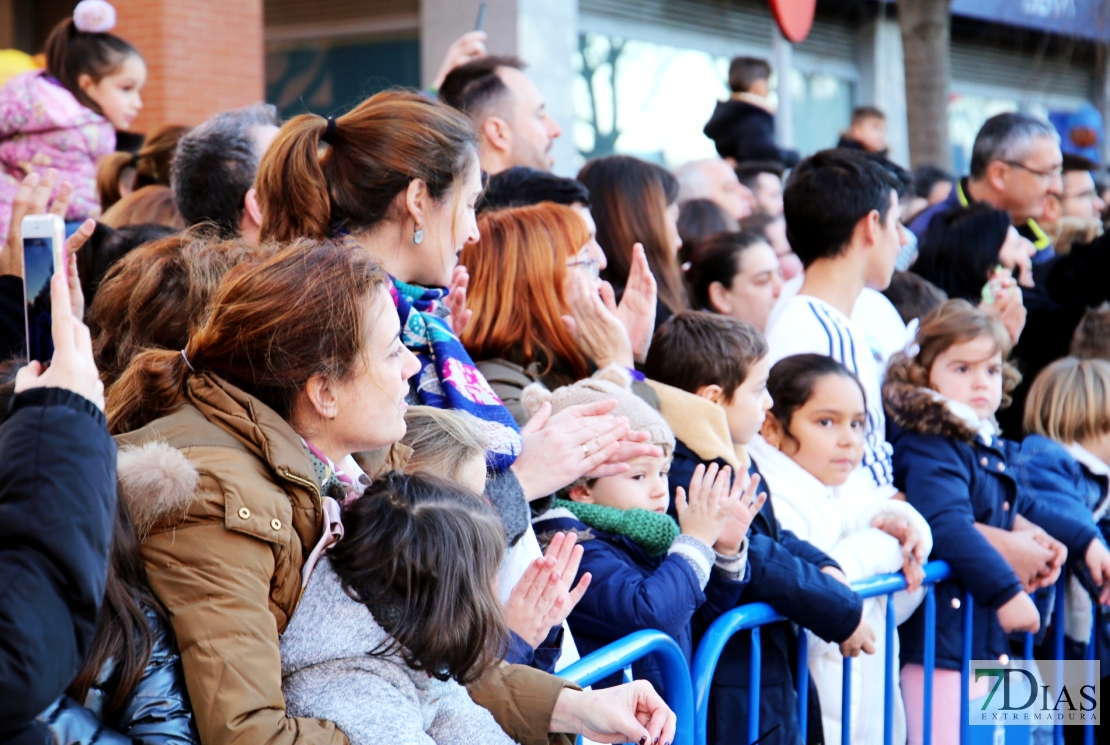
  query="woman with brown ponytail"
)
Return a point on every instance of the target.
[
  {"x": 399, "y": 174},
  {"x": 237, "y": 449}
]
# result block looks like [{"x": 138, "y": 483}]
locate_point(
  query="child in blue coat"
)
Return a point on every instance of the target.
[
  {"x": 710, "y": 374},
  {"x": 941, "y": 395},
  {"x": 1063, "y": 460},
  {"x": 649, "y": 572}
]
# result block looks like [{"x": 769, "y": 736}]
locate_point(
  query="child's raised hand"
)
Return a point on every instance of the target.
[
  {"x": 703, "y": 515},
  {"x": 543, "y": 598},
  {"x": 1019, "y": 614},
  {"x": 861, "y": 640},
  {"x": 1098, "y": 562},
  {"x": 747, "y": 506}
]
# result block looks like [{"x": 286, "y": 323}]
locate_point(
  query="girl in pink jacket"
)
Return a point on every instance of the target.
[{"x": 66, "y": 116}]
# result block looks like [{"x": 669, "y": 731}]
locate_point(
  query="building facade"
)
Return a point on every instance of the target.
[{"x": 630, "y": 76}]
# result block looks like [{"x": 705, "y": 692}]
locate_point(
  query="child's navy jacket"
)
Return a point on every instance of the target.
[
  {"x": 632, "y": 591},
  {"x": 1049, "y": 472},
  {"x": 786, "y": 574},
  {"x": 956, "y": 479}
]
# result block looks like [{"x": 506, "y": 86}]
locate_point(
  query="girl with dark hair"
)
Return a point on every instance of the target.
[
  {"x": 962, "y": 248},
  {"x": 131, "y": 688},
  {"x": 421, "y": 555},
  {"x": 735, "y": 274},
  {"x": 65, "y": 117},
  {"x": 633, "y": 202},
  {"x": 809, "y": 453}
]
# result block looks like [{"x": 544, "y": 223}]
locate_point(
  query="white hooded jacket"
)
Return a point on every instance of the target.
[{"x": 837, "y": 520}]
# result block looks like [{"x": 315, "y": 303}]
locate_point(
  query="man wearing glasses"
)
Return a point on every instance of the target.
[{"x": 1016, "y": 166}]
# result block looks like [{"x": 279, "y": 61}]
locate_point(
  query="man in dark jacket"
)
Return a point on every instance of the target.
[
  {"x": 57, "y": 508},
  {"x": 743, "y": 127},
  {"x": 866, "y": 131}
]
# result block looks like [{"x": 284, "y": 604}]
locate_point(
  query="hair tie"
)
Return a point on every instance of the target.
[
  {"x": 187, "y": 363},
  {"x": 329, "y": 133},
  {"x": 94, "y": 17}
]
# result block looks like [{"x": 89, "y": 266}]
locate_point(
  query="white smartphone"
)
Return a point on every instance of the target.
[{"x": 44, "y": 238}]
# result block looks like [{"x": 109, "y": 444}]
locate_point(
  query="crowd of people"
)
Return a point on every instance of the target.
[{"x": 366, "y": 426}]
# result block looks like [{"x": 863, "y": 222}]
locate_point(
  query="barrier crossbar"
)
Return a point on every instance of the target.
[
  {"x": 687, "y": 689},
  {"x": 620, "y": 654}
]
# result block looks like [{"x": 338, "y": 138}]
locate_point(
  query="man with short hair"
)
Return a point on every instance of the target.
[
  {"x": 714, "y": 179},
  {"x": 1015, "y": 165},
  {"x": 866, "y": 131},
  {"x": 1078, "y": 197},
  {"x": 763, "y": 178},
  {"x": 508, "y": 112},
  {"x": 214, "y": 168},
  {"x": 843, "y": 221}
]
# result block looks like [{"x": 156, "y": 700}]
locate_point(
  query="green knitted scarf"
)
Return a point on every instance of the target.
[{"x": 652, "y": 530}]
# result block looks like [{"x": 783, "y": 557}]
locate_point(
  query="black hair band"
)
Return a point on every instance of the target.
[{"x": 329, "y": 133}]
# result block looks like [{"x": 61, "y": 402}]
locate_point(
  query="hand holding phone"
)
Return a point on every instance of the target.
[{"x": 72, "y": 365}]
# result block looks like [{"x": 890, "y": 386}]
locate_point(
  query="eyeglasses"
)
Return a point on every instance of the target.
[
  {"x": 590, "y": 266},
  {"x": 1049, "y": 174}
]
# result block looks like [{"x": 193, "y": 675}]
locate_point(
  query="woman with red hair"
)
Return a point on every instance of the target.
[{"x": 540, "y": 310}]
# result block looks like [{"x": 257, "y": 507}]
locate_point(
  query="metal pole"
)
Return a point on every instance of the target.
[{"x": 784, "y": 66}]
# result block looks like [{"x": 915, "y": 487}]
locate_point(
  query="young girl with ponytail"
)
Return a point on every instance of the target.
[{"x": 66, "y": 116}]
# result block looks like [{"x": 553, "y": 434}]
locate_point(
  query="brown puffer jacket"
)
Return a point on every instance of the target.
[{"x": 224, "y": 497}]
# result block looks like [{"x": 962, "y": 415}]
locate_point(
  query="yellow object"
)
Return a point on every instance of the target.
[{"x": 13, "y": 62}]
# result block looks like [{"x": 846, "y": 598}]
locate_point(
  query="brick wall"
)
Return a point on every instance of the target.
[{"x": 203, "y": 56}]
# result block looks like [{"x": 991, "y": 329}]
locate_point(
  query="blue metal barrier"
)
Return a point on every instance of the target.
[
  {"x": 622, "y": 653},
  {"x": 690, "y": 701},
  {"x": 758, "y": 614}
]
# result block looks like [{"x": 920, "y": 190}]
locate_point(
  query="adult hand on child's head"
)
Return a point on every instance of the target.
[
  {"x": 558, "y": 450},
  {"x": 632, "y": 712},
  {"x": 749, "y": 501},
  {"x": 638, "y": 307},
  {"x": 632, "y": 445},
  {"x": 542, "y": 598},
  {"x": 702, "y": 514},
  {"x": 1097, "y": 559},
  {"x": 456, "y": 300},
  {"x": 600, "y": 334},
  {"x": 861, "y": 640},
  {"x": 72, "y": 366},
  {"x": 1019, "y": 614},
  {"x": 467, "y": 48}
]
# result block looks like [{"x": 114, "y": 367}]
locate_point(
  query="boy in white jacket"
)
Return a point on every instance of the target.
[{"x": 809, "y": 453}]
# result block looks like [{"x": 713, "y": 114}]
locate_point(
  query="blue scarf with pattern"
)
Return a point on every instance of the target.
[{"x": 447, "y": 377}]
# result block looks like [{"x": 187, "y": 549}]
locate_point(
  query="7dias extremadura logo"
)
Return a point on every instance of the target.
[{"x": 1034, "y": 692}]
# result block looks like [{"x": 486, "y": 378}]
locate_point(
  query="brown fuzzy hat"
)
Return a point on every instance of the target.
[{"x": 612, "y": 382}]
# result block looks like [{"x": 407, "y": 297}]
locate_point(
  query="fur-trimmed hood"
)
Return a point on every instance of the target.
[
  {"x": 926, "y": 412},
  {"x": 156, "y": 481}
]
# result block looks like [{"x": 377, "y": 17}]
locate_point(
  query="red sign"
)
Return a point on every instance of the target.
[{"x": 795, "y": 17}]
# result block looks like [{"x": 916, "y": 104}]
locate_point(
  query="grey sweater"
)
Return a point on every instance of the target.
[{"x": 327, "y": 673}]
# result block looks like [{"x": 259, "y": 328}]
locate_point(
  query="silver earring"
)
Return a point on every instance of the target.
[{"x": 418, "y": 236}]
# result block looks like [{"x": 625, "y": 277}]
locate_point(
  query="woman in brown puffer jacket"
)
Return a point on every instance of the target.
[{"x": 232, "y": 445}]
